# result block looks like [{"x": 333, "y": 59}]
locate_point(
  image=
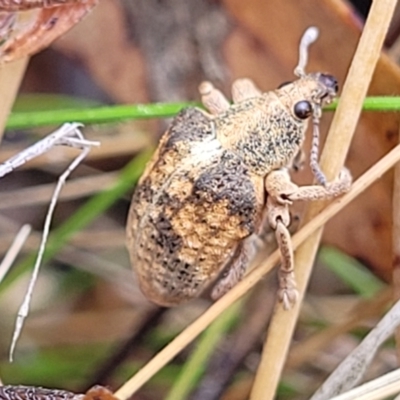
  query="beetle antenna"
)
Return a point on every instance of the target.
[{"x": 309, "y": 37}]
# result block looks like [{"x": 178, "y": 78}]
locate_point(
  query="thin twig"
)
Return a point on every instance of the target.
[
  {"x": 191, "y": 332},
  {"x": 380, "y": 388},
  {"x": 200, "y": 357},
  {"x": 396, "y": 245},
  {"x": 14, "y": 250},
  {"x": 40, "y": 194},
  {"x": 352, "y": 369},
  {"x": 332, "y": 159},
  {"x": 67, "y": 135}
]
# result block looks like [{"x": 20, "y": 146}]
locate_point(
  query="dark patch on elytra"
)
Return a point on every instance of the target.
[
  {"x": 166, "y": 201},
  {"x": 179, "y": 275},
  {"x": 190, "y": 125},
  {"x": 144, "y": 191},
  {"x": 166, "y": 238},
  {"x": 229, "y": 180}
]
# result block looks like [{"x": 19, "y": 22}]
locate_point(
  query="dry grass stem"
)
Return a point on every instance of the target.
[
  {"x": 396, "y": 245},
  {"x": 106, "y": 269},
  {"x": 10, "y": 79},
  {"x": 332, "y": 159},
  {"x": 380, "y": 388},
  {"x": 111, "y": 146},
  {"x": 192, "y": 331},
  {"x": 75, "y": 189},
  {"x": 87, "y": 239},
  {"x": 70, "y": 135},
  {"x": 352, "y": 369},
  {"x": 14, "y": 250}
]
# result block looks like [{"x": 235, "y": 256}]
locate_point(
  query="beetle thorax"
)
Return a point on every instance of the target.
[{"x": 262, "y": 131}]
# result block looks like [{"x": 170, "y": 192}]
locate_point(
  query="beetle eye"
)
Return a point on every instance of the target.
[{"x": 303, "y": 109}]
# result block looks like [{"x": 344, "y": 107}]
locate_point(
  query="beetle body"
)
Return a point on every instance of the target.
[{"x": 203, "y": 195}]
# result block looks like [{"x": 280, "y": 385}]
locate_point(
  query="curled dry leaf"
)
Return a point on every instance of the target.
[
  {"x": 20, "y": 5},
  {"x": 27, "y": 26}
]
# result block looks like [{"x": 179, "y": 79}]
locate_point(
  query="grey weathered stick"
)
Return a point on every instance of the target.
[
  {"x": 63, "y": 136},
  {"x": 377, "y": 389},
  {"x": 350, "y": 372},
  {"x": 67, "y": 135}
]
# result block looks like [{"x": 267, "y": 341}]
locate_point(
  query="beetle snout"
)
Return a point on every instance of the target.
[{"x": 330, "y": 82}]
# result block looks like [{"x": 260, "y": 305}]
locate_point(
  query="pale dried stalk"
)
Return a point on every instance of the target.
[
  {"x": 40, "y": 194},
  {"x": 352, "y": 369},
  {"x": 67, "y": 135},
  {"x": 332, "y": 159},
  {"x": 14, "y": 250},
  {"x": 192, "y": 331},
  {"x": 10, "y": 79},
  {"x": 111, "y": 146},
  {"x": 380, "y": 388},
  {"x": 396, "y": 246},
  {"x": 88, "y": 240}
]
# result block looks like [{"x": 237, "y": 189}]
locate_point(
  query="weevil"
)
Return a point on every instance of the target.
[{"x": 218, "y": 177}]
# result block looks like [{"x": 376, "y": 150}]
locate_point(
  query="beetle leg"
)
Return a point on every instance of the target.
[
  {"x": 279, "y": 186},
  {"x": 237, "y": 267},
  {"x": 212, "y": 98},
  {"x": 281, "y": 193},
  {"x": 279, "y": 219},
  {"x": 243, "y": 89},
  {"x": 288, "y": 293}
]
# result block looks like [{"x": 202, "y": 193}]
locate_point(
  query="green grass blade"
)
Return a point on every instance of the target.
[
  {"x": 353, "y": 273},
  {"x": 95, "y": 115},
  {"x": 117, "y": 113},
  {"x": 376, "y": 103}
]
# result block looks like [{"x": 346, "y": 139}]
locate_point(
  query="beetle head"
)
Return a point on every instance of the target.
[{"x": 311, "y": 91}]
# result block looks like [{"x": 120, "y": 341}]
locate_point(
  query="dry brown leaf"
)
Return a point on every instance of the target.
[{"x": 27, "y": 27}]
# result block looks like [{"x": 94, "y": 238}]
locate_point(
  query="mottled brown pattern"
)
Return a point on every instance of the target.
[
  {"x": 181, "y": 204},
  {"x": 203, "y": 193}
]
